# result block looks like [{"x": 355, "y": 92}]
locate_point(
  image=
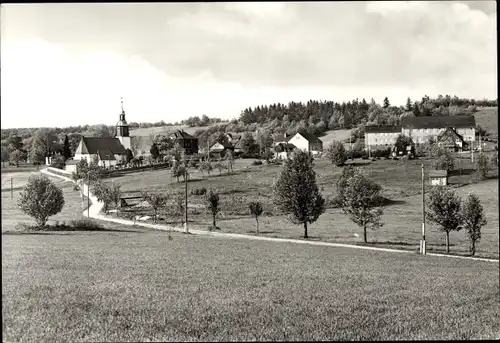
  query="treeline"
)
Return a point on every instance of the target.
[{"x": 319, "y": 116}]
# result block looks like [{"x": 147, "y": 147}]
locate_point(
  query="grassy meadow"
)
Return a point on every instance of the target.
[
  {"x": 402, "y": 219},
  {"x": 487, "y": 118},
  {"x": 142, "y": 286}
]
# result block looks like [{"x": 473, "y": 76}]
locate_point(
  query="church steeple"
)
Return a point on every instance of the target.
[{"x": 122, "y": 129}]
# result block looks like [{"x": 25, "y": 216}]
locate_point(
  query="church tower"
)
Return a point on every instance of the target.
[{"x": 122, "y": 132}]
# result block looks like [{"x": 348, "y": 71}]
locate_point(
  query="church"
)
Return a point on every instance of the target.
[{"x": 109, "y": 151}]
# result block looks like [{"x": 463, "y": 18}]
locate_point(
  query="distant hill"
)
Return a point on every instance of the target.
[
  {"x": 145, "y": 132},
  {"x": 487, "y": 118}
]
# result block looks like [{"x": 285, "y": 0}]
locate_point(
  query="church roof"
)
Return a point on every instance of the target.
[{"x": 92, "y": 145}]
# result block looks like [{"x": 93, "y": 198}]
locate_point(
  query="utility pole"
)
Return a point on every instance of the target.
[
  {"x": 186, "y": 201},
  {"x": 88, "y": 194},
  {"x": 422, "y": 242},
  {"x": 472, "y": 150},
  {"x": 480, "y": 146},
  {"x": 11, "y": 190}
]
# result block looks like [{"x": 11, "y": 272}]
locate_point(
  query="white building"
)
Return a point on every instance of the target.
[
  {"x": 421, "y": 129},
  {"x": 301, "y": 140},
  {"x": 109, "y": 151},
  {"x": 381, "y": 136}
]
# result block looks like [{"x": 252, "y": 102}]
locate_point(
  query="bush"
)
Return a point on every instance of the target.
[
  {"x": 256, "y": 163},
  {"x": 57, "y": 162},
  {"x": 336, "y": 153},
  {"x": 364, "y": 156},
  {"x": 41, "y": 199},
  {"x": 199, "y": 191}
]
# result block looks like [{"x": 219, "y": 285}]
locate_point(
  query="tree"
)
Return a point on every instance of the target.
[
  {"x": 82, "y": 169},
  {"x": 230, "y": 161},
  {"x": 483, "y": 166},
  {"x": 256, "y": 210},
  {"x": 155, "y": 152},
  {"x": 416, "y": 110},
  {"x": 115, "y": 195},
  {"x": 359, "y": 198},
  {"x": 264, "y": 140},
  {"x": 17, "y": 156},
  {"x": 336, "y": 153},
  {"x": 41, "y": 199},
  {"x": 103, "y": 193},
  {"x": 296, "y": 191},
  {"x": 129, "y": 155},
  {"x": 36, "y": 154},
  {"x": 74, "y": 177},
  {"x": 443, "y": 159},
  {"x": 409, "y": 106},
  {"x": 473, "y": 220},
  {"x": 402, "y": 142},
  {"x": 66, "y": 148},
  {"x": 444, "y": 209},
  {"x": 248, "y": 145},
  {"x": 494, "y": 161},
  {"x": 5, "y": 154},
  {"x": 220, "y": 166},
  {"x": 213, "y": 205},
  {"x": 156, "y": 200},
  {"x": 15, "y": 143},
  {"x": 205, "y": 166},
  {"x": 386, "y": 103}
]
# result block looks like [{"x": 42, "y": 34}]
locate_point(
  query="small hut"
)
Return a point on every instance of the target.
[{"x": 438, "y": 177}]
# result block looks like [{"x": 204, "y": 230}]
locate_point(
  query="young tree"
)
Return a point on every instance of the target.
[
  {"x": 36, "y": 155},
  {"x": 75, "y": 177},
  {"x": 444, "y": 209},
  {"x": 230, "y": 161},
  {"x": 443, "y": 159},
  {"x": 155, "y": 153},
  {"x": 296, "y": 191},
  {"x": 256, "y": 210},
  {"x": 156, "y": 200},
  {"x": 205, "y": 166},
  {"x": 66, "y": 148},
  {"x": 115, "y": 195},
  {"x": 175, "y": 171},
  {"x": 473, "y": 220},
  {"x": 359, "y": 198},
  {"x": 220, "y": 166},
  {"x": 213, "y": 205},
  {"x": 483, "y": 166},
  {"x": 336, "y": 153},
  {"x": 41, "y": 199},
  {"x": 103, "y": 193},
  {"x": 82, "y": 169},
  {"x": 264, "y": 140},
  {"x": 416, "y": 110},
  {"x": 494, "y": 161},
  {"x": 17, "y": 156}
]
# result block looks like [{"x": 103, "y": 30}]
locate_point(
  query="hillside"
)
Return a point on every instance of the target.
[
  {"x": 145, "y": 132},
  {"x": 487, "y": 118}
]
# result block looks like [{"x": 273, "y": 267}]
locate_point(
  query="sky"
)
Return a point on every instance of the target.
[{"x": 69, "y": 64}]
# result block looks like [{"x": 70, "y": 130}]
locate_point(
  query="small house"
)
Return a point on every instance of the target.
[
  {"x": 451, "y": 140},
  {"x": 219, "y": 149},
  {"x": 186, "y": 141},
  {"x": 438, "y": 177},
  {"x": 284, "y": 150}
]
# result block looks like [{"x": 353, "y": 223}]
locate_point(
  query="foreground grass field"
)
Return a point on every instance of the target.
[{"x": 141, "y": 286}]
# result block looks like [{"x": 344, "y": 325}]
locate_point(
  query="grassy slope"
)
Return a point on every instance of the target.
[
  {"x": 487, "y": 118},
  {"x": 402, "y": 221},
  {"x": 165, "y": 129},
  {"x": 142, "y": 286}
]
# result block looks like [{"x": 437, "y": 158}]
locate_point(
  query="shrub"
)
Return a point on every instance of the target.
[
  {"x": 41, "y": 199},
  {"x": 199, "y": 191},
  {"x": 58, "y": 162},
  {"x": 336, "y": 153},
  {"x": 483, "y": 166},
  {"x": 256, "y": 163},
  {"x": 364, "y": 156}
]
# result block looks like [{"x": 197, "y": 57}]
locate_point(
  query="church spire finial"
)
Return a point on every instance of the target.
[{"x": 121, "y": 99}]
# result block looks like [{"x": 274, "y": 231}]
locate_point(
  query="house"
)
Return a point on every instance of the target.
[
  {"x": 281, "y": 138},
  {"x": 422, "y": 129},
  {"x": 219, "y": 149},
  {"x": 55, "y": 149},
  {"x": 438, "y": 177},
  {"x": 381, "y": 136},
  {"x": 109, "y": 151},
  {"x": 306, "y": 142},
  {"x": 284, "y": 150},
  {"x": 232, "y": 138},
  {"x": 451, "y": 140},
  {"x": 186, "y": 141}
]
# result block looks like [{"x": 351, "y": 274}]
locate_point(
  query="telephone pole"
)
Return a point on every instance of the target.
[
  {"x": 11, "y": 190},
  {"x": 422, "y": 242},
  {"x": 186, "y": 201},
  {"x": 88, "y": 195},
  {"x": 472, "y": 150}
]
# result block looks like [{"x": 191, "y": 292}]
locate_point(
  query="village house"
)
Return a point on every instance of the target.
[
  {"x": 301, "y": 140},
  {"x": 283, "y": 150},
  {"x": 109, "y": 151},
  {"x": 220, "y": 149},
  {"x": 186, "y": 141},
  {"x": 381, "y": 136},
  {"x": 451, "y": 140},
  {"x": 422, "y": 129}
]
